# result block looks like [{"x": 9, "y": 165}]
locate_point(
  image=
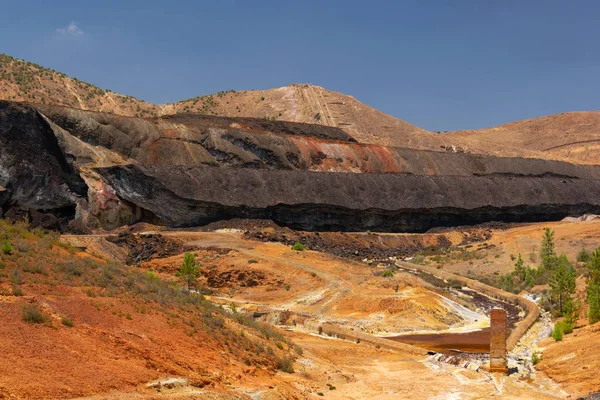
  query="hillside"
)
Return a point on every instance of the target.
[
  {"x": 25, "y": 81},
  {"x": 77, "y": 325},
  {"x": 29, "y": 82},
  {"x": 316, "y": 105},
  {"x": 571, "y": 136}
]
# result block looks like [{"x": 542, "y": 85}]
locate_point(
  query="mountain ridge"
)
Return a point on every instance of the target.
[
  {"x": 569, "y": 136},
  {"x": 28, "y": 82}
]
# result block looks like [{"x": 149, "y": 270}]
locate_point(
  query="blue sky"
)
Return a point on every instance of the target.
[{"x": 442, "y": 65}]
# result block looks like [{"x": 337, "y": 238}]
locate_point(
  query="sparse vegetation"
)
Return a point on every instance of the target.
[
  {"x": 285, "y": 364},
  {"x": 298, "y": 246},
  {"x": 388, "y": 273},
  {"x": 244, "y": 337},
  {"x": 583, "y": 256},
  {"x": 6, "y": 247},
  {"x": 33, "y": 315}
]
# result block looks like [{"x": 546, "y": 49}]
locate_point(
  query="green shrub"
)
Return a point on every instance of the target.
[
  {"x": 252, "y": 262},
  {"x": 33, "y": 315},
  {"x": 557, "y": 332},
  {"x": 564, "y": 326},
  {"x": 17, "y": 291},
  {"x": 584, "y": 256},
  {"x": 66, "y": 321},
  {"x": 298, "y": 246},
  {"x": 286, "y": 364},
  {"x": 388, "y": 273},
  {"x": 535, "y": 358},
  {"x": 6, "y": 247}
]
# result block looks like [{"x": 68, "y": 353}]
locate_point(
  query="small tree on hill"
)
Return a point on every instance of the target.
[
  {"x": 593, "y": 288},
  {"x": 189, "y": 270},
  {"x": 562, "y": 282},
  {"x": 529, "y": 282},
  {"x": 570, "y": 312},
  {"x": 519, "y": 269},
  {"x": 548, "y": 252}
]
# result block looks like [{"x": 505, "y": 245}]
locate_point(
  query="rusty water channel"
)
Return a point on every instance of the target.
[{"x": 474, "y": 342}]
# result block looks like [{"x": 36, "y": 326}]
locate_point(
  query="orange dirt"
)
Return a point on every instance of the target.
[
  {"x": 574, "y": 362},
  {"x": 106, "y": 327},
  {"x": 318, "y": 284}
]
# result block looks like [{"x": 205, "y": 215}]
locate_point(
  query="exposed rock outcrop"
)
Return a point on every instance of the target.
[{"x": 107, "y": 170}]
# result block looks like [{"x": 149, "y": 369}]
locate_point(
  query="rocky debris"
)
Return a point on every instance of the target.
[
  {"x": 472, "y": 361},
  {"x": 359, "y": 247},
  {"x": 591, "y": 396},
  {"x": 167, "y": 383},
  {"x": 144, "y": 247},
  {"x": 583, "y": 218},
  {"x": 248, "y": 225},
  {"x": 239, "y": 278}
]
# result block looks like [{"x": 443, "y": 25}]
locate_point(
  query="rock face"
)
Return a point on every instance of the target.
[
  {"x": 34, "y": 172},
  {"x": 102, "y": 171}
]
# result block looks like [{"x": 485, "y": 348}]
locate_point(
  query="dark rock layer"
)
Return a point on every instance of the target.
[
  {"x": 346, "y": 202},
  {"x": 34, "y": 171}
]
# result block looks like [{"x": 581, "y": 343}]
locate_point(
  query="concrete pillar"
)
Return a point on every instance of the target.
[{"x": 498, "y": 340}]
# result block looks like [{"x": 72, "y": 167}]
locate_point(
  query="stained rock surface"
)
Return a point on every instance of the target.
[{"x": 100, "y": 170}]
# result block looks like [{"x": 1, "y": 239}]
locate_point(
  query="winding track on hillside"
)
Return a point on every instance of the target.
[
  {"x": 533, "y": 310},
  {"x": 340, "y": 286}
]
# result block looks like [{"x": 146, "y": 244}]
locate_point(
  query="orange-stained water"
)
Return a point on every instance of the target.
[{"x": 472, "y": 342}]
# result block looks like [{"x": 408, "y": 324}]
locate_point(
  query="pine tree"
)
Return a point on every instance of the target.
[
  {"x": 570, "y": 312},
  {"x": 519, "y": 269},
  {"x": 529, "y": 282},
  {"x": 593, "y": 288},
  {"x": 189, "y": 270},
  {"x": 562, "y": 282},
  {"x": 548, "y": 252}
]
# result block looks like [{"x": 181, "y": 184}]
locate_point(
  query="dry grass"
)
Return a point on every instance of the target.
[{"x": 43, "y": 261}]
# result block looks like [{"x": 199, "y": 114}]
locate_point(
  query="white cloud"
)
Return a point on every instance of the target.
[{"x": 70, "y": 30}]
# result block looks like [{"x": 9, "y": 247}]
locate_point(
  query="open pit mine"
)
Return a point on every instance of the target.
[
  {"x": 81, "y": 170},
  {"x": 116, "y": 207}
]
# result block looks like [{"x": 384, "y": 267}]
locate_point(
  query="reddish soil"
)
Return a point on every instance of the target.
[{"x": 575, "y": 361}]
